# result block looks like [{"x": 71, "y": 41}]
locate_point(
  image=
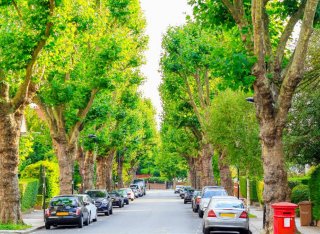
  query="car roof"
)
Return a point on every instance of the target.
[{"x": 225, "y": 198}]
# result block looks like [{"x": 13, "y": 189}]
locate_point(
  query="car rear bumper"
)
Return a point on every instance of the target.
[
  {"x": 215, "y": 223},
  {"x": 64, "y": 220}
]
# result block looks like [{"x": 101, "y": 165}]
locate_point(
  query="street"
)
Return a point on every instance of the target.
[{"x": 157, "y": 212}]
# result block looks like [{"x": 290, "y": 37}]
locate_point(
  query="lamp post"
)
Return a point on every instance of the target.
[{"x": 44, "y": 190}]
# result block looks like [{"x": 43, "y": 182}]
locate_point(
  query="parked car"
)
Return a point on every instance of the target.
[
  {"x": 66, "y": 210},
  {"x": 102, "y": 200},
  {"x": 117, "y": 199},
  {"x": 225, "y": 214},
  {"x": 195, "y": 201},
  {"x": 183, "y": 191},
  {"x": 129, "y": 192},
  {"x": 137, "y": 188},
  {"x": 124, "y": 194},
  {"x": 141, "y": 183},
  {"x": 188, "y": 195},
  {"x": 90, "y": 205},
  {"x": 178, "y": 188},
  {"x": 206, "y": 196}
]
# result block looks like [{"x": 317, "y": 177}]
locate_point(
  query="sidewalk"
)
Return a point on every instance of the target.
[
  {"x": 34, "y": 219},
  {"x": 256, "y": 223}
]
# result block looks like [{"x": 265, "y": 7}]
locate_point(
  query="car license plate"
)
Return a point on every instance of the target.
[
  {"x": 62, "y": 213},
  {"x": 227, "y": 215}
]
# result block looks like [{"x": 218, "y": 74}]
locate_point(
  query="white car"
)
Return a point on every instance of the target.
[
  {"x": 129, "y": 192},
  {"x": 92, "y": 209},
  {"x": 207, "y": 195}
]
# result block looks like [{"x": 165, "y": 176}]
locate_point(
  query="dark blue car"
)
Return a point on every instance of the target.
[{"x": 102, "y": 200}]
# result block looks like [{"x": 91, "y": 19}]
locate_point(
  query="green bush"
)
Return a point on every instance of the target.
[
  {"x": 52, "y": 176},
  {"x": 243, "y": 186},
  {"x": 300, "y": 193},
  {"x": 253, "y": 188},
  {"x": 260, "y": 187},
  {"x": 28, "y": 192},
  {"x": 314, "y": 187},
  {"x": 294, "y": 181}
]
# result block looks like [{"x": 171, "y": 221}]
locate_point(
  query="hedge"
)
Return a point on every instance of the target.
[
  {"x": 28, "y": 192},
  {"x": 159, "y": 180},
  {"x": 294, "y": 181},
  {"x": 253, "y": 188},
  {"x": 314, "y": 187},
  {"x": 260, "y": 187},
  {"x": 52, "y": 176},
  {"x": 300, "y": 193}
]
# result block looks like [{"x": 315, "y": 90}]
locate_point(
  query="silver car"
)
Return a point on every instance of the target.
[
  {"x": 225, "y": 214},
  {"x": 207, "y": 195}
]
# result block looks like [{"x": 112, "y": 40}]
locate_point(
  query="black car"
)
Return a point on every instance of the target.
[
  {"x": 123, "y": 192},
  {"x": 102, "y": 200},
  {"x": 117, "y": 199},
  {"x": 66, "y": 210},
  {"x": 188, "y": 195}
]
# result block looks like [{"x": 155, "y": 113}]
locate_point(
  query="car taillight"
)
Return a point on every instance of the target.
[
  {"x": 47, "y": 212},
  {"x": 244, "y": 215},
  {"x": 211, "y": 214},
  {"x": 78, "y": 211}
]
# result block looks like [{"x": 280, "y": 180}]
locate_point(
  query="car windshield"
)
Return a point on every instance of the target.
[
  {"x": 64, "y": 201},
  {"x": 96, "y": 194},
  {"x": 212, "y": 193},
  {"x": 228, "y": 204},
  {"x": 114, "y": 193}
]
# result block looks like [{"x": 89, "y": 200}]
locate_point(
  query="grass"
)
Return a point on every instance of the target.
[
  {"x": 14, "y": 226},
  {"x": 252, "y": 216}
]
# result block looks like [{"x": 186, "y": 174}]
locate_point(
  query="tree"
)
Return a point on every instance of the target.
[
  {"x": 276, "y": 77},
  {"x": 198, "y": 64},
  {"x": 25, "y": 29},
  {"x": 96, "y": 53}
]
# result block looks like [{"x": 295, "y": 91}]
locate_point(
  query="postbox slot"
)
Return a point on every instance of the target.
[{"x": 287, "y": 213}]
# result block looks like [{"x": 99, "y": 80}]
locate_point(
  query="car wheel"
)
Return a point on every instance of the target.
[
  {"x": 80, "y": 223},
  {"x": 131, "y": 199},
  {"x": 184, "y": 202},
  {"x": 205, "y": 230},
  {"x": 47, "y": 226},
  {"x": 86, "y": 223},
  {"x": 107, "y": 213},
  {"x": 111, "y": 211},
  {"x": 127, "y": 202},
  {"x": 96, "y": 218},
  {"x": 200, "y": 212}
]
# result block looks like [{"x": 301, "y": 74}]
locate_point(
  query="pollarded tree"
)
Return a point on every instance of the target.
[
  {"x": 25, "y": 29},
  {"x": 277, "y": 78}
]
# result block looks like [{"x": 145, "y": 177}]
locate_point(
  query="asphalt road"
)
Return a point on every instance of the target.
[{"x": 159, "y": 212}]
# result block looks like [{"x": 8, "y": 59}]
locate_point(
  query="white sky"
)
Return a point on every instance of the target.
[{"x": 159, "y": 14}]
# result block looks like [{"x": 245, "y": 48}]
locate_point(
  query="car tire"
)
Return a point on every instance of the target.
[
  {"x": 120, "y": 204},
  {"x": 80, "y": 223},
  {"x": 107, "y": 213},
  {"x": 87, "y": 222},
  {"x": 111, "y": 211},
  {"x": 132, "y": 199},
  {"x": 96, "y": 218},
  {"x": 200, "y": 213},
  {"x": 47, "y": 226},
  {"x": 127, "y": 203},
  {"x": 205, "y": 230}
]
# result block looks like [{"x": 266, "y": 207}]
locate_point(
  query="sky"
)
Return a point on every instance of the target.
[{"x": 160, "y": 14}]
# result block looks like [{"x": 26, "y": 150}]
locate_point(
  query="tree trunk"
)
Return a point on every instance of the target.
[
  {"x": 10, "y": 211},
  {"x": 275, "y": 179},
  {"x": 66, "y": 156},
  {"x": 101, "y": 172},
  {"x": 89, "y": 161},
  {"x": 207, "y": 170},
  {"x": 198, "y": 169},
  {"x": 109, "y": 166},
  {"x": 192, "y": 171},
  {"x": 225, "y": 174},
  {"x": 80, "y": 159},
  {"x": 120, "y": 171}
]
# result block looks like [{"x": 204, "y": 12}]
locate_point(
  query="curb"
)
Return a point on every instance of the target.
[{"x": 29, "y": 230}]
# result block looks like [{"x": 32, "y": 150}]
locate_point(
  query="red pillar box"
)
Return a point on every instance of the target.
[{"x": 283, "y": 218}]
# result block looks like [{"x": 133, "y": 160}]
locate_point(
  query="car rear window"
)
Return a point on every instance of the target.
[
  {"x": 212, "y": 193},
  {"x": 64, "y": 201},
  {"x": 228, "y": 204},
  {"x": 95, "y": 194}
]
